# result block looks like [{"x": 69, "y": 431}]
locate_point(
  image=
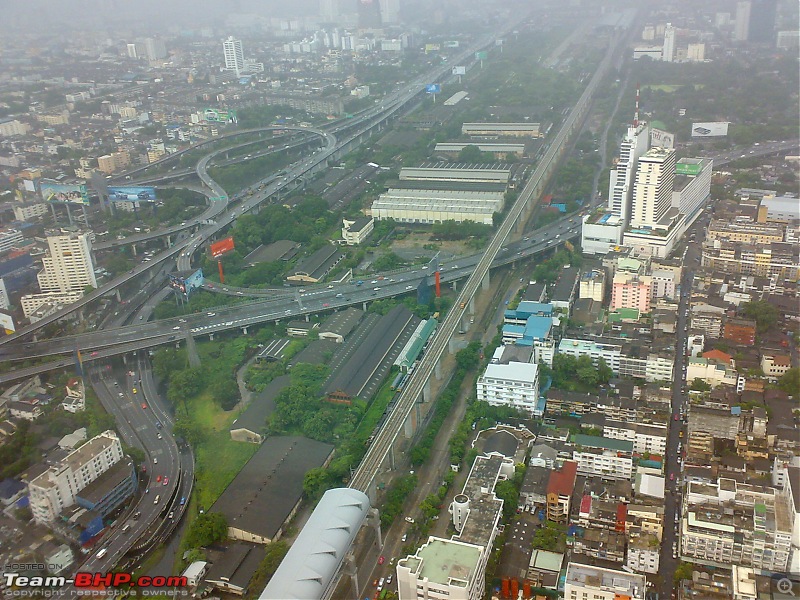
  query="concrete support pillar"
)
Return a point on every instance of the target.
[
  {"x": 471, "y": 306},
  {"x": 211, "y": 336},
  {"x": 408, "y": 427},
  {"x": 392, "y": 461},
  {"x": 485, "y": 282},
  {"x": 454, "y": 286},
  {"x": 308, "y": 318},
  {"x": 437, "y": 369},
  {"x": 133, "y": 249},
  {"x": 375, "y": 519},
  {"x": 364, "y": 306},
  {"x": 244, "y": 330},
  {"x": 427, "y": 395},
  {"x": 118, "y": 295},
  {"x": 168, "y": 241}
]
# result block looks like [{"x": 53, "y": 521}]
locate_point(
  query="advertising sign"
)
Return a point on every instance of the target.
[
  {"x": 213, "y": 115},
  {"x": 221, "y": 247},
  {"x": 7, "y": 323},
  {"x": 482, "y": 55},
  {"x": 710, "y": 129},
  {"x": 186, "y": 282},
  {"x": 131, "y": 194},
  {"x": 661, "y": 138},
  {"x": 433, "y": 88},
  {"x": 459, "y": 70},
  {"x": 432, "y": 48},
  {"x": 682, "y": 168},
  {"x": 67, "y": 193}
]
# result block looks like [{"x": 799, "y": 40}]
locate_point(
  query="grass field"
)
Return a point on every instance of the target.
[{"x": 218, "y": 458}]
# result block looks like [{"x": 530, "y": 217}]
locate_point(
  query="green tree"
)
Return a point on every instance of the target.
[
  {"x": 765, "y": 314},
  {"x": 700, "y": 385},
  {"x": 207, "y": 529},
  {"x": 684, "y": 571},
  {"x": 315, "y": 482},
  {"x": 275, "y": 553},
  {"x": 790, "y": 382}
]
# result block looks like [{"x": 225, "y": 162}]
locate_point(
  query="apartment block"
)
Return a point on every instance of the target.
[
  {"x": 631, "y": 291},
  {"x": 645, "y": 438},
  {"x": 603, "y": 457},
  {"x": 777, "y": 259},
  {"x": 57, "y": 488},
  {"x": 560, "y": 488},
  {"x": 584, "y": 582},
  {"x": 515, "y": 385},
  {"x": 737, "y": 523},
  {"x": 743, "y": 231}
]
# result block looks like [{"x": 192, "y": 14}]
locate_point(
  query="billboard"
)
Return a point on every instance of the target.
[
  {"x": 661, "y": 138},
  {"x": 186, "y": 282},
  {"x": 482, "y": 55},
  {"x": 432, "y": 48},
  {"x": 221, "y": 247},
  {"x": 459, "y": 70},
  {"x": 433, "y": 88},
  {"x": 72, "y": 193},
  {"x": 7, "y": 323},
  {"x": 213, "y": 115},
  {"x": 131, "y": 194},
  {"x": 682, "y": 168},
  {"x": 710, "y": 129}
]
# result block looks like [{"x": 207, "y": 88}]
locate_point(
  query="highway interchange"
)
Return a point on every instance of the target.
[{"x": 131, "y": 396}]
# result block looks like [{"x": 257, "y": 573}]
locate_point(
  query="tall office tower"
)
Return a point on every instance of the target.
[
  {"x": 620, "y": 186},
  {"x": 68, "y": 266},
  {"x": 329, "y": 10},
  {"x": 762, "y": 21},
  {"x": 155, "y": 49},
  {"x": 652, "y": 191},
  {"x": 390, "y": 11},
  {"x": 234, "y": 57},
  {"x": 369, "y": 14},
  {"x": 741, "y": 32},
  {"x": 132, "y": 53},
  {"x": 668, "y": 52}
]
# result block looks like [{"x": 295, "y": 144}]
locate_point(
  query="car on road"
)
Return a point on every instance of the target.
[
  {"x": 325, "y": 305},
  {"x": 409, "y": 520},
  {"x": 404, "y": 538},
  {"x": 166, "y": 481},
  {"x": 159, "y": 436},
  {"x": 176, "y": 328},
  {"x": 135, "y": 391},
  {"x": 381, "y": 560},
  {"x": 144, "y": 406},
  {"x": 158, "y": 479},
  {"x": 675, "y": 416},
  {"x": 171, "y": 514},
  {"x": 389, "y": 580},
  {"x": 672, "y": 476}
]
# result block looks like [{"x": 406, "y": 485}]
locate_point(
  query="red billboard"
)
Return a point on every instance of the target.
[{"x": 222, "y": 247}]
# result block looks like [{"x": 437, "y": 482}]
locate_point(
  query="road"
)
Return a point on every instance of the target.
[{"x": 385, "y": 439}]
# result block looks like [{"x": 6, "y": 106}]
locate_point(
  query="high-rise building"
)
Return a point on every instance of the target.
[
  {"x": 329, "y": 10},
  {"x": 696, "y": 52},
  {"x": 741, "y": 32},
  {"x": 155, "y": 49},
  {"x": 652, "y": 193},
  {"x": 369, "y": 14},
  {"x": 234, "y": 56},
  {"x": 56, "y": 488},
  {"x": 762, "y": 21},
  {"x": 68, "y": 266},
  {"x": 634, "y": 144},
  {"x": 390, "y": 11},
  {"x": 132, "y": 51},
  {"x": 668, "y": 53}
]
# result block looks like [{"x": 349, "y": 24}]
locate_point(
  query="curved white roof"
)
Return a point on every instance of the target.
[{"x": 315, "y": 557}]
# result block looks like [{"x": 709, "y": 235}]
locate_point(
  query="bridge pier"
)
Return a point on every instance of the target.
[
  {"x": 118, "y": 295},
  {"x": 211, "y": 336},
  {"x": 485, "y": 282},
  {"x": 244, "y": 330},
  {"x": 133, "y": 249},
  {"x": 427, "y": 395},
  {"x": 168, "y": 241},
  {"x": 454, "y": 286},
  {"x": 364, "y": 306},
  {"x": 191, "y": 350},
  {"x": 308, "y": 318},
  {"x": 437, "y": 369},
  {"x": 471, "y": 305}
]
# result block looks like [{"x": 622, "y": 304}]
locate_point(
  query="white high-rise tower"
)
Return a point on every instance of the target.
[
  {"x": 668, "y": 52},
  {"x": 234, "y": 56},
  {"x": 635, "y": 143},
  {"x": 68, "y": 266},
  {"x": 741, "y": 32},
  {"x": 652, "y": 192}
]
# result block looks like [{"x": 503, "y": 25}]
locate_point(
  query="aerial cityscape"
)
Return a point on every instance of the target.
[{"x": 400, "y": 299}]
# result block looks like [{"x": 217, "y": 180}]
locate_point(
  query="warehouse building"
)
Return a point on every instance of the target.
[
  {"x": 450, "y": 192},
  {"x": 532, "y": 130},
  {"x": 498, "y": 150}
]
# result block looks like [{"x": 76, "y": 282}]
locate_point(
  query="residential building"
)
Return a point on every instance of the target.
[
  {"x": 652, "y": 191},
  {"x": 234, "y": 56},
  {"x": 646, "y": 438},
  {"x": 744, "y": 231},
  {"x": 154, "y": 48},
  {"x": 713, "y": 372},
  {"x": 643, "y": 554},
  {"x": 68, "y": 265},
  {"x": 775, "y": 366},
  {"x": 740, "y": 331},
  {"x": 515, "y": 385},
  {"x": 356, "y": 231},
  {"x": 57, "y": 488},
  {"x": 10, "y": 127},
  {"x": 560, "y": 488},
  {"x": 778, "y": 259},
  {"x": 592, "y": 285},
  {"x": 631, "y": 291},
  {"x": 9, "y": 238},
  {"x": 696, "y": 52},
  {"x": 30, "y": 210},
  {"x": 668, "y": 53},
  {"x": 742, "y": 24},
  {"x": 598, "y": 583},
  {"x": 603, "y": 457},
  {"x": 663, "y": 283},
  {"x": 736, "y": 523}
]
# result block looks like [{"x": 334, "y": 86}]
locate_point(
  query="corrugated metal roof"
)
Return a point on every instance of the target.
[{"x": 314, "y": 558}]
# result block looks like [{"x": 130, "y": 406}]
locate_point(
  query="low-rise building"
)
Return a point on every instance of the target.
[
  {"x": 603, "y": 457},
  {"x": 515, "y": 385},
  {"x": 560, "y": 488},
  {"x": 598, "y": 583},
  {"x": 643, "y": 554},
  {"x": 775, "y": 366},
  {"x": 356, "y": 231}
]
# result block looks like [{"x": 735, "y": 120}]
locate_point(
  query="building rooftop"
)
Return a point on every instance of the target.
[
  {"x": 341, "y": 323},
  {"x": 562, "y": 481},
  {"x": 446, "y": 562},
  {"x": 108, "y": 481},
  {"x": 262, "y": 404},
  {"x": 262, "y": 495},
  {"x": 596, "y": 441},
  {"x": 485, "y": 508},
  {"x": 629, "y": 585},
  {"x": 514, "y": 371}
]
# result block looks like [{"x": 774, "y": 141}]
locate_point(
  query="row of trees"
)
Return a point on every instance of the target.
[
  {"x": 577, "y": 373},
  {"x": 454, "y": 230}
]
